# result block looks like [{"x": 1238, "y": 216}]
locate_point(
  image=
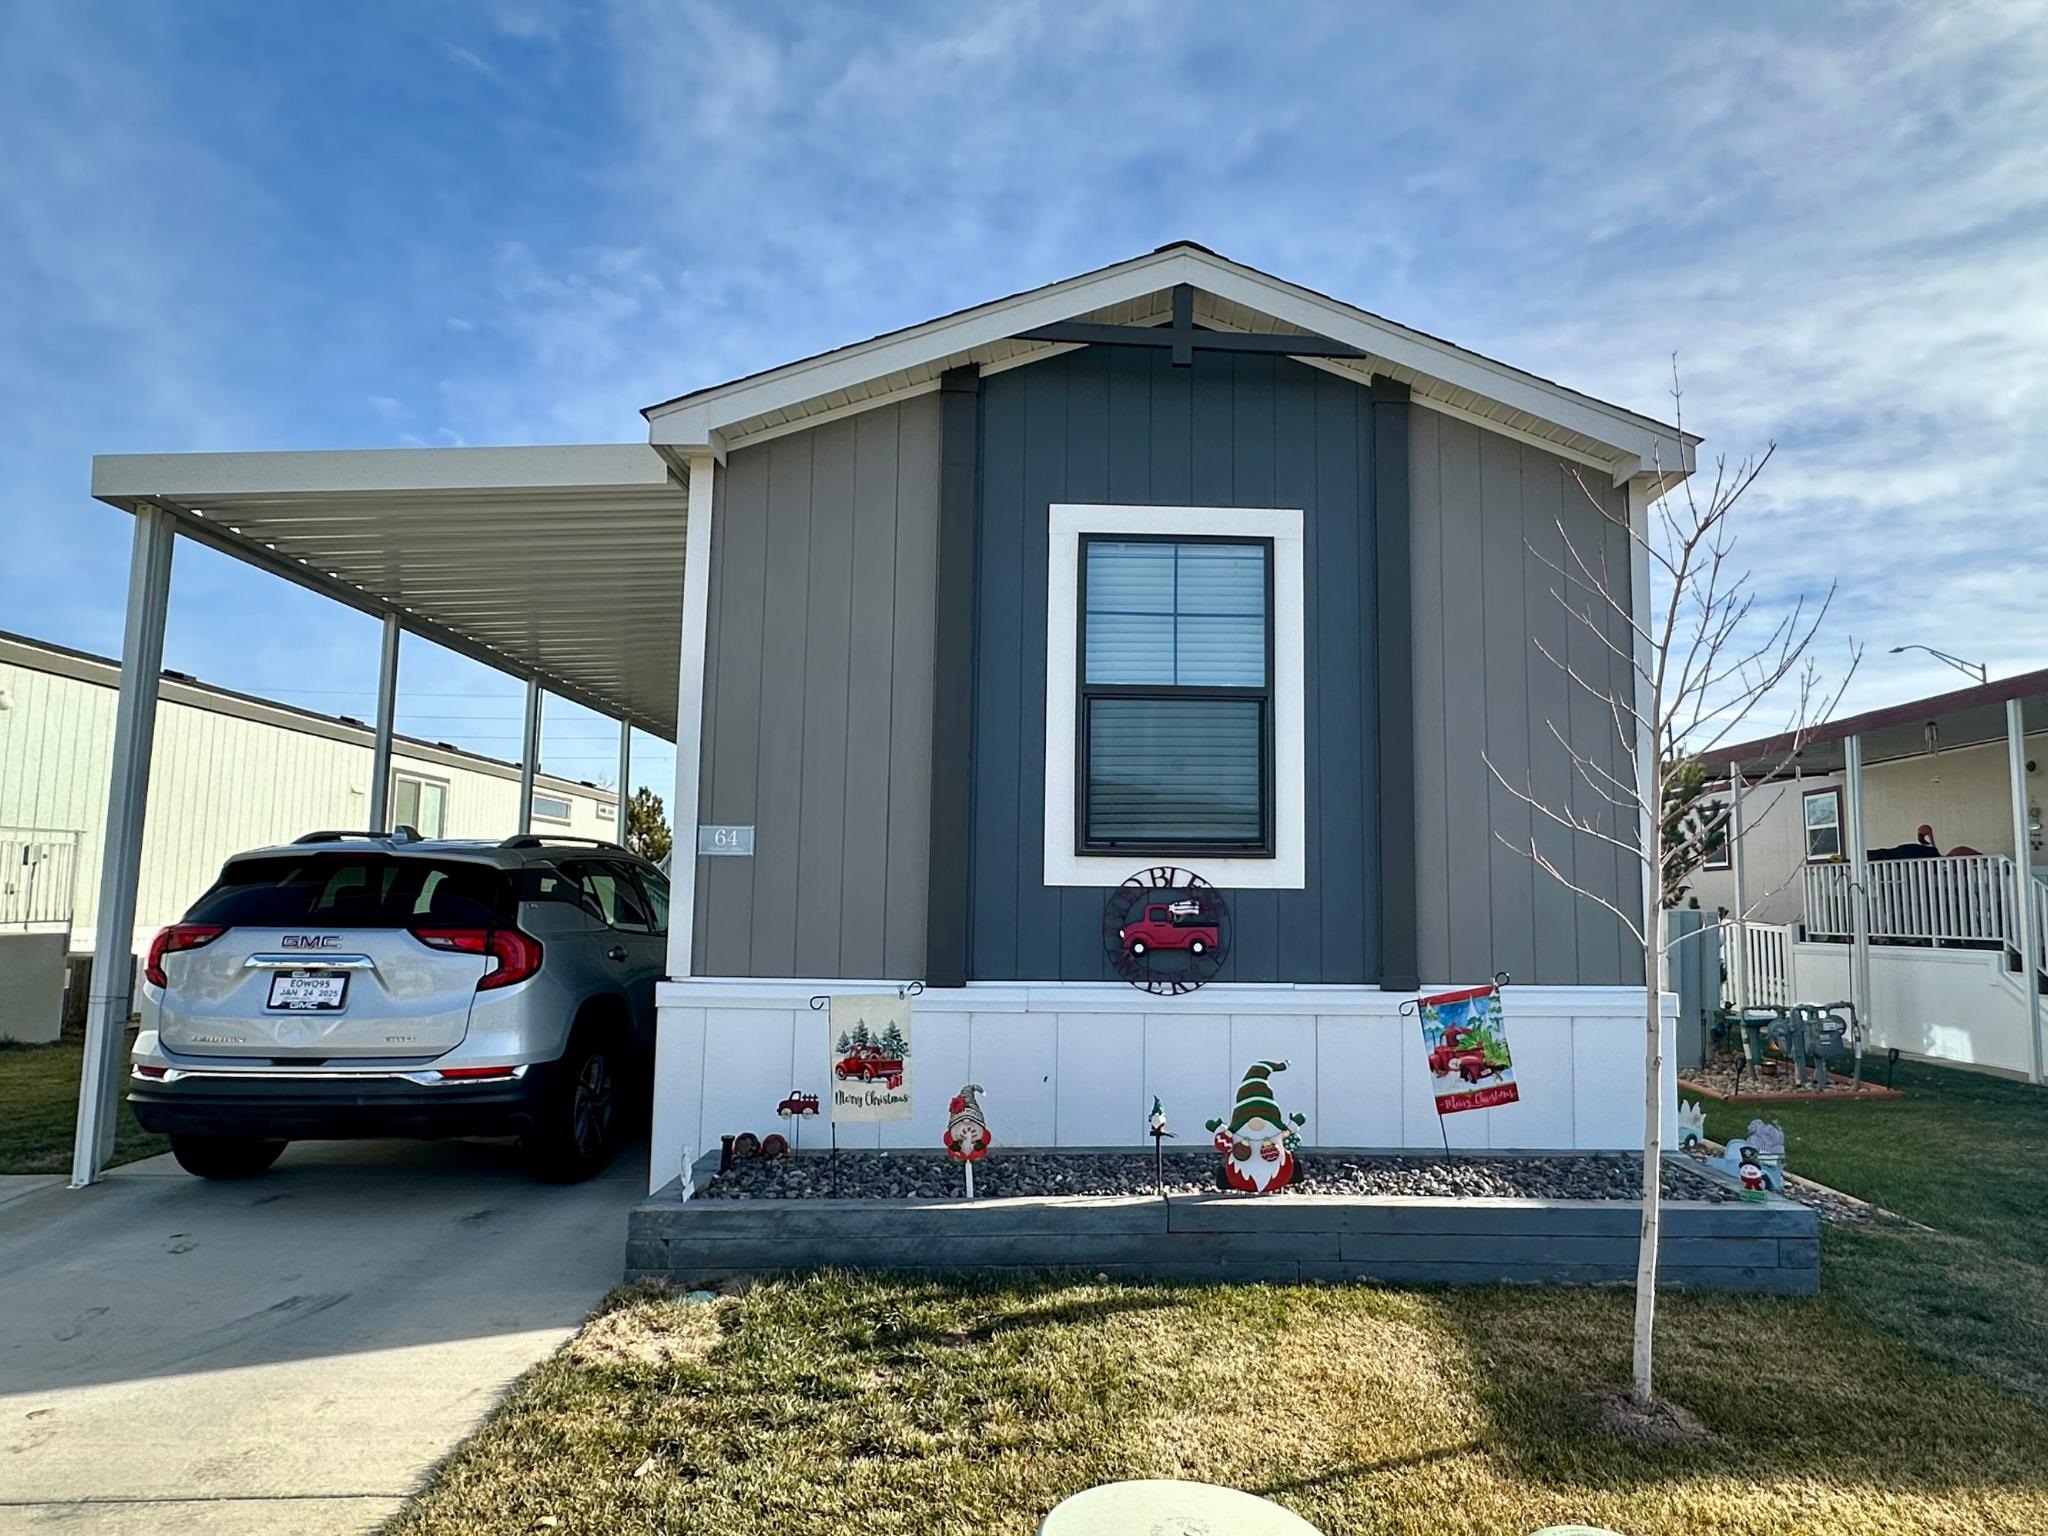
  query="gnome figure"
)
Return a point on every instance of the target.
[
  {"x": 1258, "y": 1142},
  {"x": 967, "y": 1133}
]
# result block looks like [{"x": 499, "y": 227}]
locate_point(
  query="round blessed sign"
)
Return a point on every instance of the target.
[{"x": 1166, "y": 930}]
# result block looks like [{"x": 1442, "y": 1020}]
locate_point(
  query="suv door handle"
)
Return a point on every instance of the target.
[{"x": 616, "y": 952}]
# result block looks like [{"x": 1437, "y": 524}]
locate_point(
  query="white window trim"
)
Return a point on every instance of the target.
[
  {"x": 1287, "y": 869},
  {"x": 423, "y": 780},
  {"x": 568, "y": 814}
]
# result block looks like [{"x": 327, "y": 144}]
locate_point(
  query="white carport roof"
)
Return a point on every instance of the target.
[{"x": 560, "y": 563}]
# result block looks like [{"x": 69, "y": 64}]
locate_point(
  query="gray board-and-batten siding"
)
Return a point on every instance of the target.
[
  {"x": 823, "y": 664},
  {"x": 818, "y": 700},
  {"x": 1126, "y": 425},
  {"x": 1486, "y": 582}
]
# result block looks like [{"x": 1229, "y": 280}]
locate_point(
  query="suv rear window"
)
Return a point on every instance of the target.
[{"x": 354, "y": 890}]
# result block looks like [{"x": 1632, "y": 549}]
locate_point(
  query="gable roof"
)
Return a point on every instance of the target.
[{"x": 1229, "y": 296}]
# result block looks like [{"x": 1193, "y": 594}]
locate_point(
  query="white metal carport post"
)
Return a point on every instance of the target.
[
  {"x": 625, "y": 774},
  {"x": 1738, "y": 960},
  {"x": 1859, "y": 882},
  {"x": 113, "y": 959},
  {"x": 387, "y": 720},
  {"x": 529, "y": 754},
  {"x": 682, "y": 875},
  {"x": 2023, "y": 878}
]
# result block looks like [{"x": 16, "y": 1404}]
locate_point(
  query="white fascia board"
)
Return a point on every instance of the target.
[
  {"x": 1640, "y": 444},
  {"x": 690, "y": 421},
  {"x": 1626, "y": 431},
  {"x": 188, "y": 479}
]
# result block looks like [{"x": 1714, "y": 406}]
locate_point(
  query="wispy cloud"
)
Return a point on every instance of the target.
[{"x": 523, "y": 221}]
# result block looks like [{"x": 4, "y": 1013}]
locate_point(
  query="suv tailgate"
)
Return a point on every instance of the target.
[{"x": 317, "y": 957}]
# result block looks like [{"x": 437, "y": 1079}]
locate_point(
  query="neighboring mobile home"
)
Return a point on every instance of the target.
[
  {"x": 1950, "y": 917},
  {"x": 231, "y": 772}
]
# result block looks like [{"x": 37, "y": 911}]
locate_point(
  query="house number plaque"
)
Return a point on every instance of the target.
[{"x": 728, "y": 842}]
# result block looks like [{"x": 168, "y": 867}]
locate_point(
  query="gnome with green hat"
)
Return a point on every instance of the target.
[{"x": 1258, "y": 1142}]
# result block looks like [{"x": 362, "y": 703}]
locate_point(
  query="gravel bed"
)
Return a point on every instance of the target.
[
  {"x": 918, "y": 1175},
  {"x": 1721, "y": 1080}
]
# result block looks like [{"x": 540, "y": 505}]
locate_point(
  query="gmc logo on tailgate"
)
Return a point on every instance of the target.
[{"x": 312, "y": 941}]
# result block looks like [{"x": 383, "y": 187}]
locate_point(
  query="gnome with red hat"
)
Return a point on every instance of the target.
[{"x": 1258, "y": 1142}]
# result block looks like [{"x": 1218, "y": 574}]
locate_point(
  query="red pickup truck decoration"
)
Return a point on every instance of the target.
[
  {"x": 1171, "y": 925},
  {"x": 1466, "y": 1043},
  {"x": 1166, "y": 930},
  {"x": 869, "y": 1064}
]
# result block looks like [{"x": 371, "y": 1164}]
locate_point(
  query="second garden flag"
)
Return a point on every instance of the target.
[{"x": 1467, "y": 1046}]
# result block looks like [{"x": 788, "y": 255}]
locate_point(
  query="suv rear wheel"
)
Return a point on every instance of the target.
[
  {"x": 224, "y": 1157},
  {"x": 578, "y": 1129}
]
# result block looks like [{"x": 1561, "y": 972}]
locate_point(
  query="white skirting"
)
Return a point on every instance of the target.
[
  {"x": 1076, "y": 1064},
  {"x": 1958, "y": 1005}
]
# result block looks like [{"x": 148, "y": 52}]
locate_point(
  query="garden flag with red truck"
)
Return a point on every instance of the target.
[{"x": 1467, "y": 1049}]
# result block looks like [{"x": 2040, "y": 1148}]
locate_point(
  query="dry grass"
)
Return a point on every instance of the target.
[{"x": 843, "y": 1403}]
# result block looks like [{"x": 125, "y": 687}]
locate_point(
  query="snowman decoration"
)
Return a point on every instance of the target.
[{"x": 1257, "y": 1142}]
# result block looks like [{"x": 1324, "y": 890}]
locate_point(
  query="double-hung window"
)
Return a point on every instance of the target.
[
  {"x": 1174, "y": 726},
  {"x": 1822, "y": 809}
]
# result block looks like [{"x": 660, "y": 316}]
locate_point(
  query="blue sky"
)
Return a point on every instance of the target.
[{"x": 459, "y": 221}]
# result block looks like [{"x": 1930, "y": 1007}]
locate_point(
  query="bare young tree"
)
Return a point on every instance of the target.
[{"x": 1700, "y": 665}]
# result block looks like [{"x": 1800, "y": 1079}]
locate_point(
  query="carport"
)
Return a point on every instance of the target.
[{"x": 572, "y": 568}]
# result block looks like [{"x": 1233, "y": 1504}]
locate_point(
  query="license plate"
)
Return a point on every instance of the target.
[{"x": 308, "y": 991}]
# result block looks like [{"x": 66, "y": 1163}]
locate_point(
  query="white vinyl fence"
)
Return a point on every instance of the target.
[{"x": 1767, "y": 951}]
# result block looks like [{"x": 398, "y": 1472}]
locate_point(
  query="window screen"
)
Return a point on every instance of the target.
[{"x": 1176, "y": 694}]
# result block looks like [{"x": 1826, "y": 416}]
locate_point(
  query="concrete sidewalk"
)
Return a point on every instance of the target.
[{"x": 293, "y": 1352}]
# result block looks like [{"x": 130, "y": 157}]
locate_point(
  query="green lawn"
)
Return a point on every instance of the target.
[
  {"x": 39, "y": 1107},
  {"x": 1964, "y": 1154},
  {"x": 1909, "y": 1400}
]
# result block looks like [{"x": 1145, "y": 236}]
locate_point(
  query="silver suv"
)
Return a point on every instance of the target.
[{"x": 352, "y": 984}]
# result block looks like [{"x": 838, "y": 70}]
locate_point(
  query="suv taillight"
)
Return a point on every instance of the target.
[
  {"x": 172, "y": 939},
  {"x": 517, "y": 955}
]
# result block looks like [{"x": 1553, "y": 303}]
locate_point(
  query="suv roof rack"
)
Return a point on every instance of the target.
[
  {"x": 399, "y": 834},
  {"x": 542, "y": 839}
]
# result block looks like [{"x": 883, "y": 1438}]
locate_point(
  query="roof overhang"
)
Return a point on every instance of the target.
[
  {"x": 1965, "y": 717},
  {"x": 564, "y": 564},
  {"x": 1229, "y": 296}
]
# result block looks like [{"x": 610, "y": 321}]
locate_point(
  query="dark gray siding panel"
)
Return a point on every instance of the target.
[
  {"x": 1123, "y": 425},
  {"x": 1487, "y": 511},
  {"x": 818, "y": 700}
]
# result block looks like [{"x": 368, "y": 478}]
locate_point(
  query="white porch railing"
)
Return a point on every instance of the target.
[
  {"x": 38, "y": 877},
  {"x": 1966, "y": 900},
  {"x": 2040, "y": 923},
  {"x": 1767, "y": 951}
]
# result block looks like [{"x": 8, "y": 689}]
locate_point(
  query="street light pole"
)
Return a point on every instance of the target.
[{"x": 1975, "y": 669}]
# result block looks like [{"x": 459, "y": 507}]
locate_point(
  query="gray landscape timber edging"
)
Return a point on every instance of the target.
[{"x": 1771, "y": 1248}]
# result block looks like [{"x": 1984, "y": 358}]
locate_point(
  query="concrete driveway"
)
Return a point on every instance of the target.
[{"x": 290, "y": 1353}]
